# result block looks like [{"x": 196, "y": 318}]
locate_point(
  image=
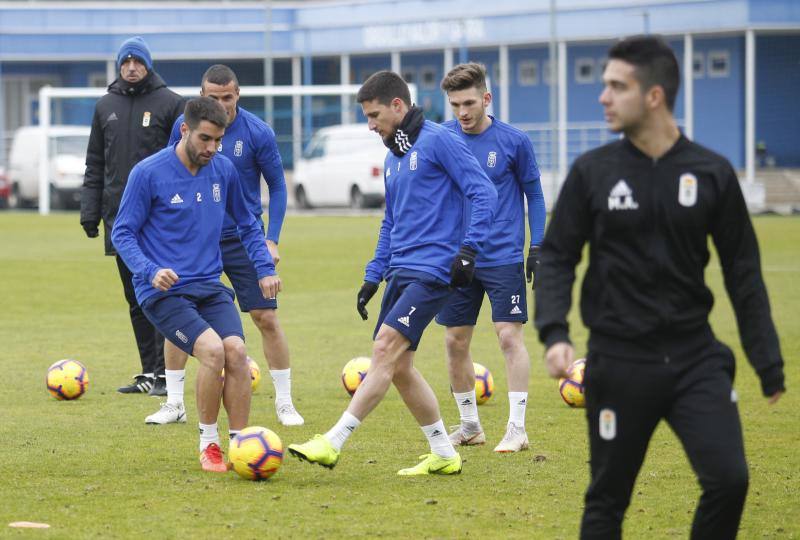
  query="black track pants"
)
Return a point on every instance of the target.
[
  {"x": 148, "y": 340},
  {"x": 626, "y": 399}
]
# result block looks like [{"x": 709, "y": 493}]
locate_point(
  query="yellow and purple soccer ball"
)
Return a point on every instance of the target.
[
  {"x": 67, "y": 379},
  {"x": 484, "y": 383},
  {"x": 354, "y": 372},
  {"x": 256, "y": 453},
  {"x": 255, "y": 374},
  {"x": 571, "y": 387}
]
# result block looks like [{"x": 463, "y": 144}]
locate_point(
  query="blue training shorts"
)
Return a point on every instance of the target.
[
  {"x": 505, "y": 286},
  {"x": 410, "y": 302},
  {"x": 185, "y": 313},
  {"x": 240, "y": 270}
]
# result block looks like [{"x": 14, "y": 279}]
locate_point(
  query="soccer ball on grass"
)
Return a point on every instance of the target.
[
  {"x": 484, "y": 383},
  {"x": 67, "y": 379},
  {"x": 354, "y": 373},
  {"x": 571, "y": 387},
  {"x": 256, "y": 453}
]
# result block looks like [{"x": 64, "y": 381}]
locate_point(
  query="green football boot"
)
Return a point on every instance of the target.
[
  {"x": 318, "y": 450},
  {"x": 433, "y": 464}
]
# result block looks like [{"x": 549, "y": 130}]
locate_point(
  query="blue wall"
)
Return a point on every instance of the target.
[
  {"x": 778, "y": 97},
  {"x": 719, "y": 101}
]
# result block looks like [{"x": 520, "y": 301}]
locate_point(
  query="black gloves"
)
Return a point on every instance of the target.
[
  {"x": 367, "y": 291},
  {"x": 463, "y": 268},
  {"x": 532, "y": 263},
  {"x": 90, "y": 229}
]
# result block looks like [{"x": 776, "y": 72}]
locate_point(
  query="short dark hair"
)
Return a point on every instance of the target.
[
  {"x": 384, "y": 86},
  {"x": 464, "y": 76},
  {"x": 204, "y": 108},
  {"x": 654, "y": 63},
  {"x": 219, "y": 74}
]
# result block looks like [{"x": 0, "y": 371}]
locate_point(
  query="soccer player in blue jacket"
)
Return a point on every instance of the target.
[
  {"x": 507, "y": 158},
  {"x": 426, "y": 245},
  {"x": 167, "y": 232},
  {"x": 250, "y": 144}
]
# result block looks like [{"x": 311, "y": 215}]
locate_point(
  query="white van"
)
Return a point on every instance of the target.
[
  {"x": 342, "y": 165},
  {"x": 67, "y": 147}
]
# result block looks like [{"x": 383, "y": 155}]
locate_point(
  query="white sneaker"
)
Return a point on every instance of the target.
[
  {"x": 288, "y": 415},
  {"x": 464, "y": 436},
  {"x": 169, "y": 413},
  {"x": 515, "y": 440}
]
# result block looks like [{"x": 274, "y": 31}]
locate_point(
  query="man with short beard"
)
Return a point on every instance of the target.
[{"x": 167, "y": 231}]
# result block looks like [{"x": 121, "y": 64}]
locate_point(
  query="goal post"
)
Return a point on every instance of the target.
[{"x": 48, "y": 95}]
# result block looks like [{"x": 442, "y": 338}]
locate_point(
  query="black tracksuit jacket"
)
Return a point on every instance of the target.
[
  {"x": 130, "y": 123},
  {"x": 647, "y": 223}
]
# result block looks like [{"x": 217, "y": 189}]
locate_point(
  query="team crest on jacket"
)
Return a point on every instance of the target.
[
  {"x": 237, "y": 149},
  {"x": 215, "y": 191},
  {"x": 687, "y": 189},
  {"x": 412, "y": 164},
  {"x": 621, "y": 197},
  {"x": 146, "y": 119},
  {"x": 491, "y": 161}
]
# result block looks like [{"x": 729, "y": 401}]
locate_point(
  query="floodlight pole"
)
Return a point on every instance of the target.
[
  {"x": 553, "y": 99},
  {"x": 268, "y": 69}
]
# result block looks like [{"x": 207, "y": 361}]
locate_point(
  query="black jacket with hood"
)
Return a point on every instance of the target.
[{"x": 131, "y": 122}]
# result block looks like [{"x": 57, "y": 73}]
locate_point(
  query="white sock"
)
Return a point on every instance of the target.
[
  {"x": 175, "y": 381},
  {"x": 437, "y": 438},
  {"x": 467, "y": 407},
  {"x": 517, "y": 402},
  {"x": 233, "y": 433},
  {"x": 282, "y": 380},
  {"x": 345, "y": 427},
  {"x": 208, "y": 435},
  {"x": 149, "y": 375}
]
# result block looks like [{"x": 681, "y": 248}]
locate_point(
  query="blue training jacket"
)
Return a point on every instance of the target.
[
  {"x": 171, "y": 219},
  {"x": 250, "y": 144},
  {"x": 424, "y": 222},
  {"x": 506, "y": 155}
]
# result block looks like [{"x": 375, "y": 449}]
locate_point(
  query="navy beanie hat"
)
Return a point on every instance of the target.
[{"x": 137, "y": 48}]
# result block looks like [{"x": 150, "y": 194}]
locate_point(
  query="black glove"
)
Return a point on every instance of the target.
[
  {"x": 463, "y": 268},
  {"x": 90, "y": 229},
  {"x": 367, "y": 291},
  {"x": 532, "y": 264}
]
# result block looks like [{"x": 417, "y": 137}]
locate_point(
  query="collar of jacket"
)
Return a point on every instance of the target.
[{"x": 151, "y": 82}]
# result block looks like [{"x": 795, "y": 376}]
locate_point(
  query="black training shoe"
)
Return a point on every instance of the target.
[
  {"x": 141, "y": 385},
  {"x": 159, "y": 387}
]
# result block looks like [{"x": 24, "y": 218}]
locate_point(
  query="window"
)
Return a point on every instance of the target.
[
  {"x": 427, "y": 76},
  {"x": 527, "y": 73},
  {"x": 98, "y": 80},
  {"x": 601, "y": 67},
  {"x": 719, "y": 63},
  {"x": 547, "y": 69},
  {"x": 698, "y": 65},
  {"x": 584, "y": 70},
  {"x": 316, "y": 148},
  {"x": 410, "y": 75}
]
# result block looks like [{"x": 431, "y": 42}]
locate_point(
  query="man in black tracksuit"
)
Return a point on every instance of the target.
[
  {"x": 646, "y": 205},
  {"x": 131, "y": 122}
]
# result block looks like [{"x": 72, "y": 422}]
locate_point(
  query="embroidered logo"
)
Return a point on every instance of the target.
[
  {"x": 515, "y": 311},
  {"x": 216, "y": 193},
  {"x": 412, "y": 164},
  {"x": 687, "y": 189},
  {"x": 608, "y": 424},
  {"x": 176, "y": 199},
  {"x": 621, "y": 197},
  {"x": 146, "y": 119},
  {"x": 111, "y": 117},
  {"x": 491, "y": 161},
  {"x": 237, "y": 148}
]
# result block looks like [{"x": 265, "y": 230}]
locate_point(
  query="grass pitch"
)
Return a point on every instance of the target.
[{"x": 92, "y": 469}]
